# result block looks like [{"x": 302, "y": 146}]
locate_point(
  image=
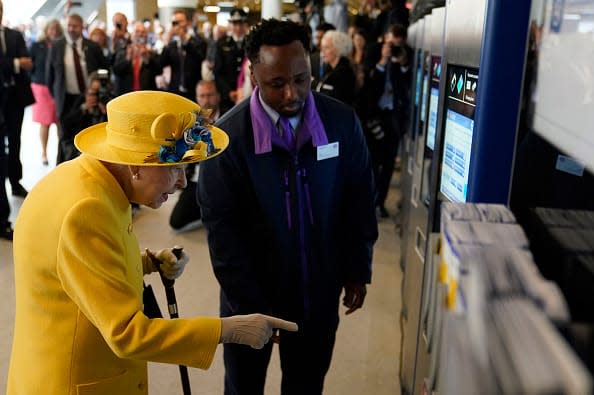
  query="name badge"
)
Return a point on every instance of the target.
[
  {"x": 328, "y": 151},
  {"x": 569, "y": 165}
]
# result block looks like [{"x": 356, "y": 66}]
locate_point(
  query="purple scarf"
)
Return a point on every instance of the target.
[{"x": 266, "y": 134}]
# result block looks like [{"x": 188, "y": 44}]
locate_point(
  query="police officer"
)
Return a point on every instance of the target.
[{"x": 229, "y": 57}]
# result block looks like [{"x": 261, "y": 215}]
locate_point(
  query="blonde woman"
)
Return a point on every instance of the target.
[{"x": 44, "y": 108}]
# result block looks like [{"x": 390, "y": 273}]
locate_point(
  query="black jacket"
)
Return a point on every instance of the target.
[
  {"x": 339, "y": 82},
  {"x": 122, "y": 68},
  {"x": 184, "y": 74}
]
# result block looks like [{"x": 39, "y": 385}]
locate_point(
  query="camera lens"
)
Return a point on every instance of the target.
[{"x": 396, "y": 51}]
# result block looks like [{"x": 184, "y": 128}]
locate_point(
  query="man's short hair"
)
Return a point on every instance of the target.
[
  {"x": 398, "y": 30},
  {"x": 77, "y": 17},
  {"x": 325, "y": 26},
  {"x": 276, "y": 33},
  {"x": 181, "y": 11}
]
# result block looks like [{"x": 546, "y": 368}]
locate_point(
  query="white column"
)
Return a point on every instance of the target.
[{"x": 272, "y": 9}]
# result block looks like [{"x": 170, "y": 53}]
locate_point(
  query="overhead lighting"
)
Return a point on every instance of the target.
[
  {"x": 226, "y": 4},
  {"x": 212, "y": 8}
]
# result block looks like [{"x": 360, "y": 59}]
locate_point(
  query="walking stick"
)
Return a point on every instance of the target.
[{"x": 173, "y": 313}]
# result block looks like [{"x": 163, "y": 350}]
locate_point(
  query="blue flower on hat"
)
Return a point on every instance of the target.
[{"x": 198, "y": 132}]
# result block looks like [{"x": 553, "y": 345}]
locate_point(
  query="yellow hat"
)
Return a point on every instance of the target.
[{"x": 151, "y": 128}]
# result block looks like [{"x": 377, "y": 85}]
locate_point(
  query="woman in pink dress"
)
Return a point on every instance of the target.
[{"x": 44, "y": 109}]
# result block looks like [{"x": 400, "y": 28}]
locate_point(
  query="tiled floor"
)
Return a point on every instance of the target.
[{"x": 366, "y": 355}]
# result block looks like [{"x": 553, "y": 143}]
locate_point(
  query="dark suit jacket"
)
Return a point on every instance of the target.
[
  {"x": 56, "y": 80},
  {"x": 16, "y": 48},
  {"x": 122, "y": 68},
  {"x": 195, "y": 52},
  {"x": 401, "y": 83},
  {"x": 254, "y": 252},
  {"x": 227, "y": 66}
]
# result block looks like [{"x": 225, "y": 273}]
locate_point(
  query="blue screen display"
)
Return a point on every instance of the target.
[
  {"x": 462, "y": 84},
  {"x": 456, "y": 156},
  {"x": 432, "y": 125},
  {"x": 433, "y": 101}
]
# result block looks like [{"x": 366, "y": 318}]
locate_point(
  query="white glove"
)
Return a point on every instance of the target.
[
  {"x": 253, "y": 330},
  {"x": 171, "y": 266}
]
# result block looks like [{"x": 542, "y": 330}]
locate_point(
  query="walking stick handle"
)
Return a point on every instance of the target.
[
  {"x": 173, "y": 313},
  {"x": 177, "y": 251}
]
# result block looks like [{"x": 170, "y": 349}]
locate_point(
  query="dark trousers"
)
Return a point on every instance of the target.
[
  {"x": 383, "y": 154},
  {"x": 304, "y": 355},
  {"x": 13, "y": 122},
  {"x": 186, "y": 210},
  {"x": 66, "y": 148}
]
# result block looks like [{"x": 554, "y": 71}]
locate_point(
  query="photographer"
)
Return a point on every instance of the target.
[
  {"x": 136, "y": 66},
  {"x": 120, "y": 37},
  {"x": 88, "y": 110},
  {"x": 184, "y": 54},
  {"x": 388, "y": 92}
]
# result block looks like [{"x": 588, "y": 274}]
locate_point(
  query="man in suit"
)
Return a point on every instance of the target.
[
  {"x": 14, "y": 64},
  {"x": 389, "y": 98},
  {"x": 184, "y": 54},
  {"x": 136, "y": 65},
  {"x": 14, "y": 84},
  {"x": 229, "y": 57},
  {"x": 289, "y": 212},
  {"x": 70, "y": 61}
]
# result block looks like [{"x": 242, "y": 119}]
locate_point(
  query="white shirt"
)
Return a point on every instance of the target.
[{"x": 69, "y": 69}]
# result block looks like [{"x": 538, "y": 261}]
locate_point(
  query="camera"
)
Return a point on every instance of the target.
[
  {"x": 397, "y": 51},
  {"x": 118, "y": 26},
  {"x": 103, "y": 93}
]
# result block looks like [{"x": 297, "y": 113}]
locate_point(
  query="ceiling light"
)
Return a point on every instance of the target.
[{"x": 211, "y": 8}]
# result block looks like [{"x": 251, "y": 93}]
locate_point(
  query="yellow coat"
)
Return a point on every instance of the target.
[{"x": 80, "y": 327}]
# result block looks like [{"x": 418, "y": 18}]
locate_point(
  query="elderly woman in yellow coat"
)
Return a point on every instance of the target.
[{"x": 80, "y": 326}]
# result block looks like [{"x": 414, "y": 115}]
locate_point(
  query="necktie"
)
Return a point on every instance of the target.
[
  {"x": 80, "y": 79},
  {"x": 287, "y": 130},
  {"x": 182, "y": 66}
]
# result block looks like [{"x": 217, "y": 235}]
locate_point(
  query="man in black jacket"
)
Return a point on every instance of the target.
[
  {"x": 136, "y": 65},
  {"x": 388, "y": 99},
  {"x": 184, "y": 54},
  {"x": 14, "y": 64},
  {"x": 229, "y": 57}
]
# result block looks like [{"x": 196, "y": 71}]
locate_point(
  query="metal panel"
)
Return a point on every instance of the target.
[{"x": 415, "y": 230}]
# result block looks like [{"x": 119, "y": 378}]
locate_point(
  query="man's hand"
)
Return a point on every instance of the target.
[{"x": 354, "y": 296}]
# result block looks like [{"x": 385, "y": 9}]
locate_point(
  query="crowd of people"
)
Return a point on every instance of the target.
[
  {"x": 314, "y": 113},
  {"x": 54, "y": 73}
]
